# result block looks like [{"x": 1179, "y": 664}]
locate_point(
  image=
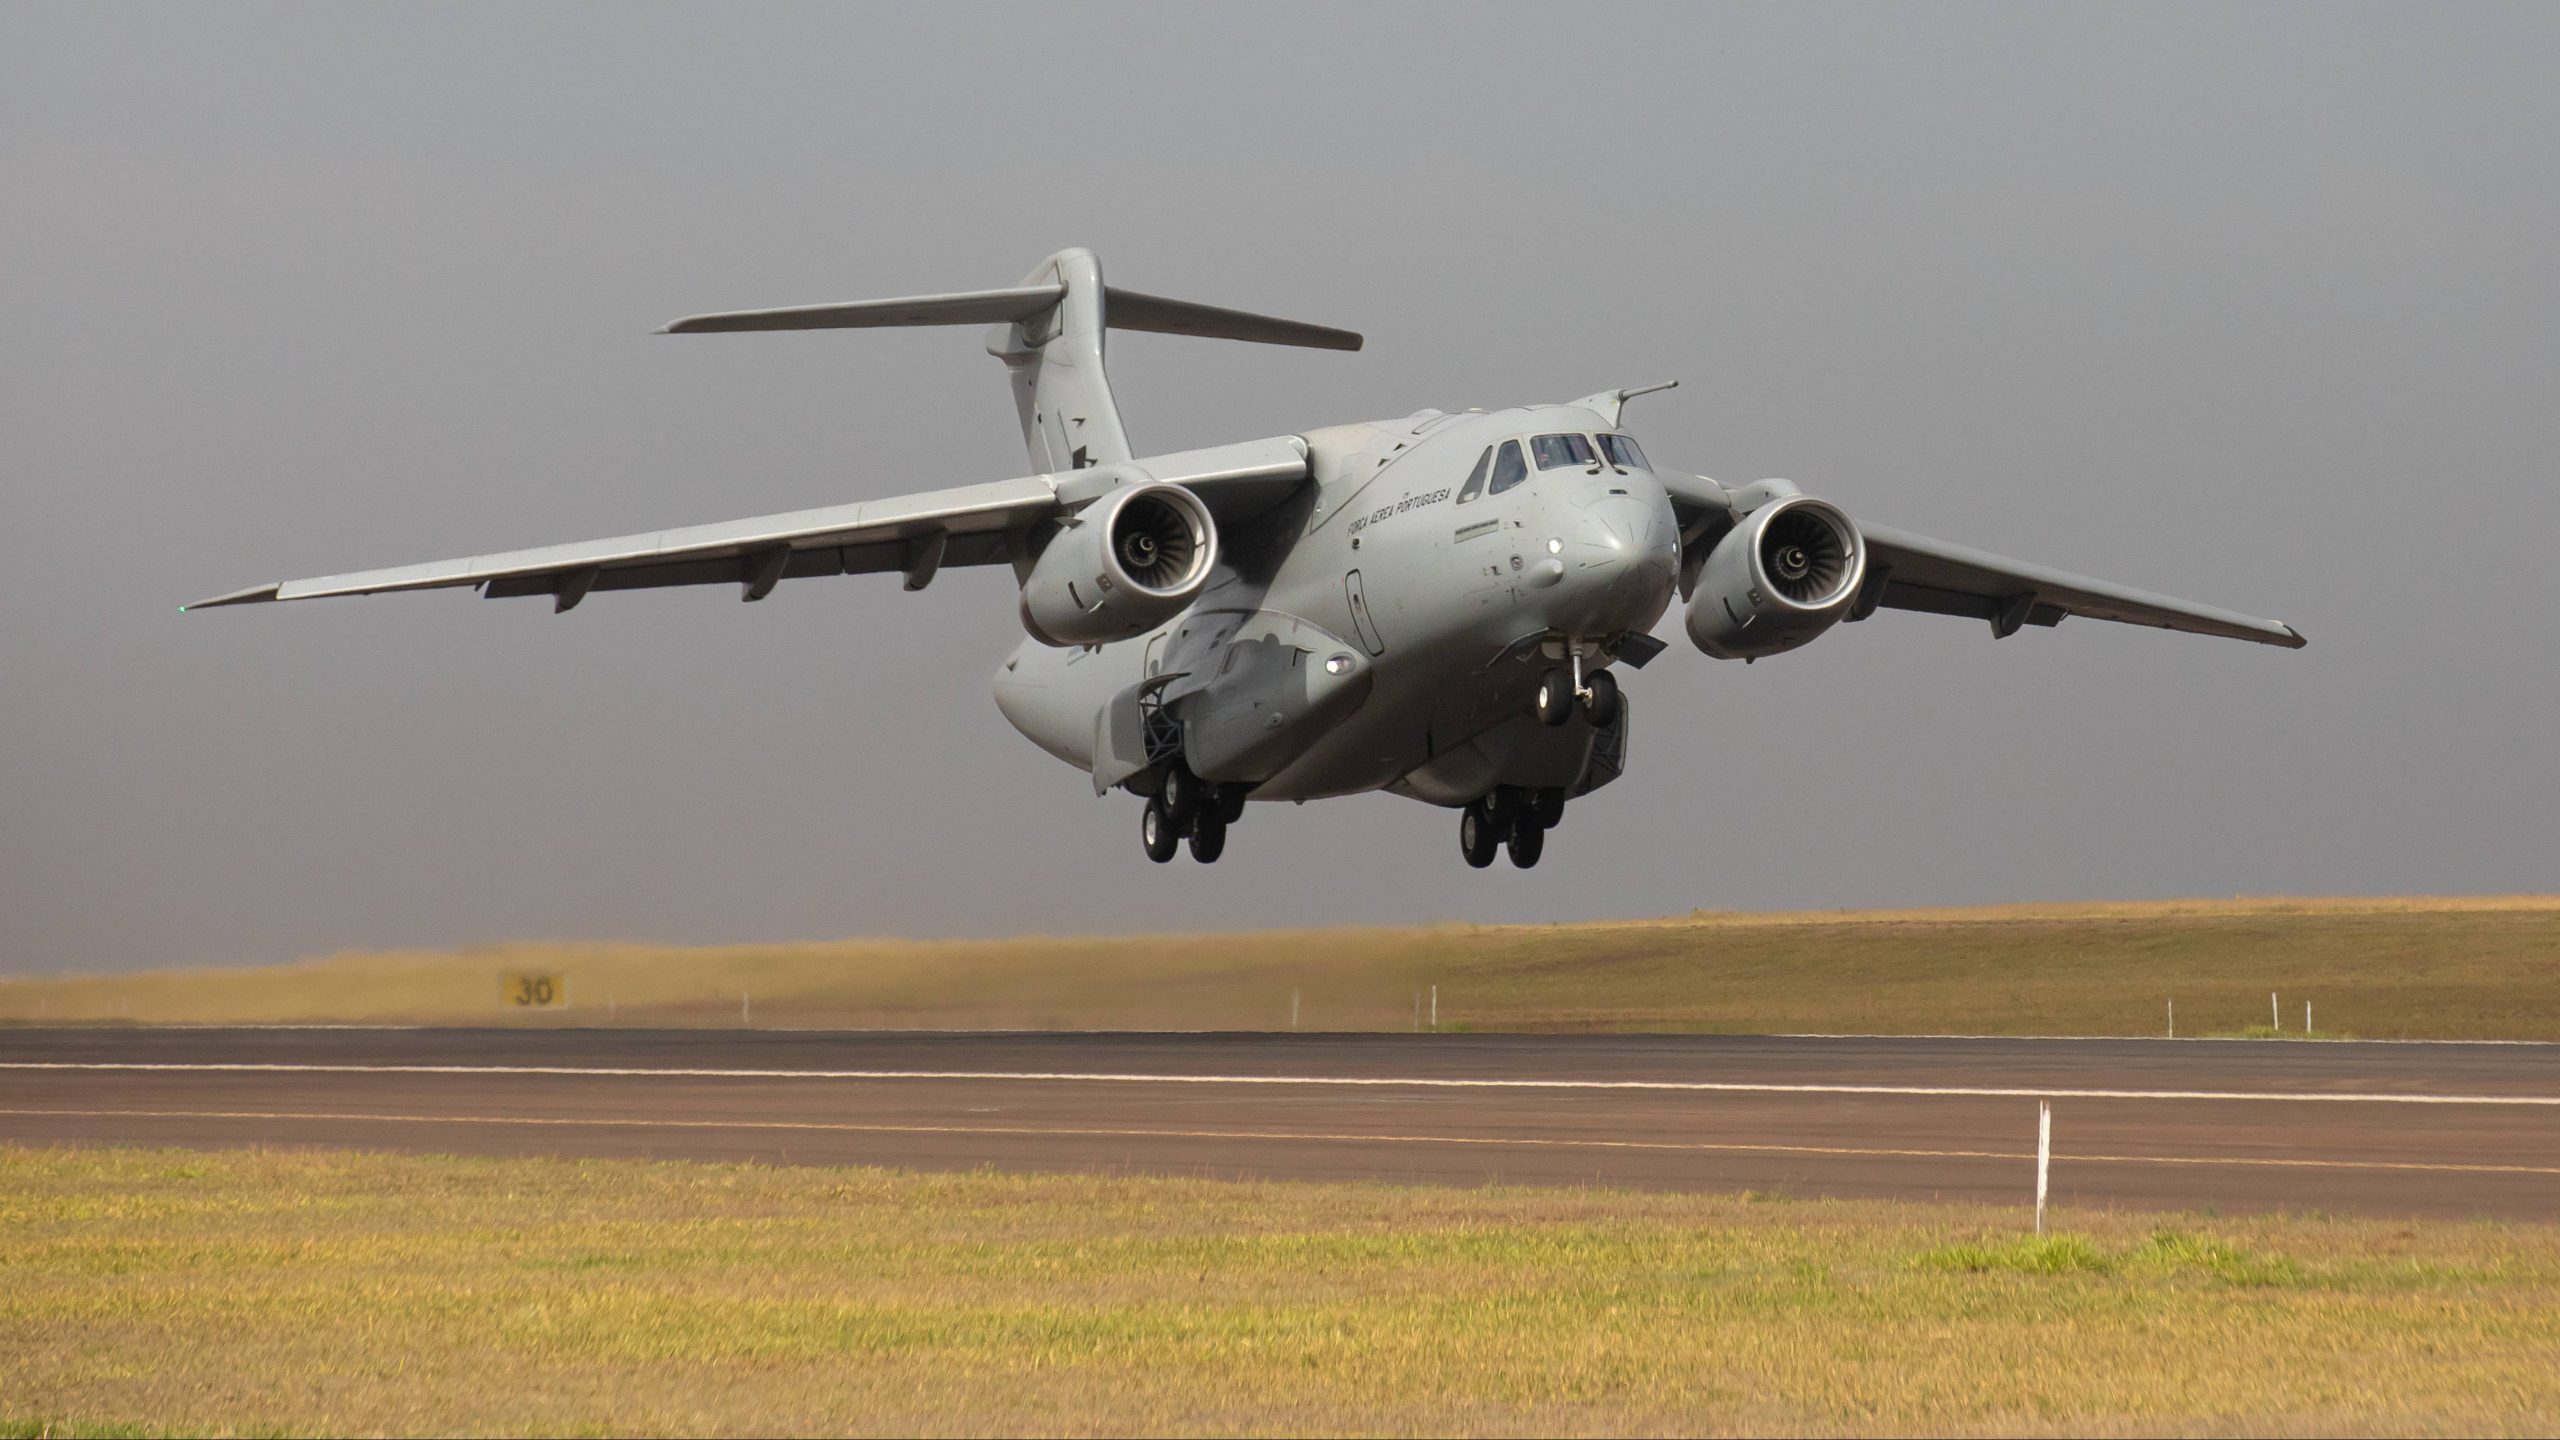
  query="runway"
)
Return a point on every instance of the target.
[{"x": 2453, "y": 1130}]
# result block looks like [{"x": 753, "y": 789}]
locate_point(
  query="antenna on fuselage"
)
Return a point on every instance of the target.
[{"x": 1611, "y": 402}]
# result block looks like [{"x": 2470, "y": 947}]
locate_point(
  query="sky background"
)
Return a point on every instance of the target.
[{"x": 2254, "y": 305}]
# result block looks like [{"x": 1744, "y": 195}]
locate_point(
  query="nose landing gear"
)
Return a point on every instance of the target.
[
  {"x": 1560, "y": 691},
  {"x": 1513, "y": 818}
]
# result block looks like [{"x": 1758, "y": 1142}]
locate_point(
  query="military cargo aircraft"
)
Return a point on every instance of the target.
[{"x": 1431, "y": 606}]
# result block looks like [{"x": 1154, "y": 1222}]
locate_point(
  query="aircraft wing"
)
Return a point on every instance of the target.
[
  {"x": 915, "y": 535},
  {"x": 1913, "y": 572}
]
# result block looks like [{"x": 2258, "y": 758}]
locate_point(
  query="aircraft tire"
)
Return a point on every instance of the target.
[
  {"x": 1181, "y": 795},
  {"x": 1156, "y": 830},
  {"x": 1555, "y": 697},
  {"x": 1549, "y": 806},
  {"x": 1231, "y": 803},
  {"x": 1478, "y": 836},
  {"x": 1528, "y": 841},
  {"x": 1208, "y": 837},
  {"x": 1603, "y": 704}
]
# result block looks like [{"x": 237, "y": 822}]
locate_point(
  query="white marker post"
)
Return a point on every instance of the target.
[
  {"x": 2173, "y": 1019},
  {"x": 1435, "y": 1008},
  {"x": 2306, "y": 1017},
  {"x": 2275, "y": 1016},
  {"x": 2044, "y": 1155},
  {"x": 1293, "y": 1009}
]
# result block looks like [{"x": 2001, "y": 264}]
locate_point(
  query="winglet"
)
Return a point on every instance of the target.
[{"x": 255, "y": 594}]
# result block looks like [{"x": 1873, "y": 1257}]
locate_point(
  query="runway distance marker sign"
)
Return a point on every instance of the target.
[{"x": 535, "y": 990}]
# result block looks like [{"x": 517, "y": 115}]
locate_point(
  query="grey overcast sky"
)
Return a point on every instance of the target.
[{"x": 2250, "y": 304}]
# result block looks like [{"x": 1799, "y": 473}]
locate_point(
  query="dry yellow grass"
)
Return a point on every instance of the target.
[
  {"x": 2384, "y": 968},
  {"x": 263, "y": 1292}
]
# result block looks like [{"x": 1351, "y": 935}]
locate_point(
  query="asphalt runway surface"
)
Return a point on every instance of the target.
[{"x": 2452, "y": 1130}]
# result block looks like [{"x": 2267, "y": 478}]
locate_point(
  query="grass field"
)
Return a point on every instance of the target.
[
  {"x": 2390, "y": 968},
  {"x": 270, "y": 1292}
]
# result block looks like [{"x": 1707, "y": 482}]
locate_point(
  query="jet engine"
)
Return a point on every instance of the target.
[
  {"x": 1784, "y": 573},
  {"x": 1119, "y": 567}
]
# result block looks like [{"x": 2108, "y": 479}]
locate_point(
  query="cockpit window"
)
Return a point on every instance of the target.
[
  {"x": 1475, "y": 477},
  {"x": 1622, "y": 452},
  {"x": 1508, "y": 468},
  {"x": 1556, "y": 451}
]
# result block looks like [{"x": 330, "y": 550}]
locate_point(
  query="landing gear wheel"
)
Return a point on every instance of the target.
[
  {"x": 1528, "y": 841},
  {"x": 1478, "y": 836},
  {"x": 1555, "y": 698},
  {"x": 1603, "y": 704},
  {"x": 1181, "y": 794},
  {"x": 1208, "y": 838},
  {"x": 1231, "y": 803},
  {"x": 1548, "y": 805},
  {"x": 1159, "y": 833}
]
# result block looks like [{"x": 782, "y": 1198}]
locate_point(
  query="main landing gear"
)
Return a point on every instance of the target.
[
  {"x": 1512, "y": 816},
  {"x": 1188, "y": 807}
]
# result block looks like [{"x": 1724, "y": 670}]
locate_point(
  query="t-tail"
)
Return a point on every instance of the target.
[{"x": 1048, "y": 331}]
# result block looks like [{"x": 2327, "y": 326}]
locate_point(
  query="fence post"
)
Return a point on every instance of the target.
[{"x": 2044, "y": 1155}]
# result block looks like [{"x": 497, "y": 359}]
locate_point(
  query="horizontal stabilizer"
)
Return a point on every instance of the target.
[
  {"x": 1122, "y": 310},
  {"x": 968, "y": 307},
  {"x": 1129, "y": 310}
]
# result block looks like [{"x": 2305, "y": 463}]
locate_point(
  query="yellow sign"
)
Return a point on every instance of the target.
[{"x": 534, "y": 991}]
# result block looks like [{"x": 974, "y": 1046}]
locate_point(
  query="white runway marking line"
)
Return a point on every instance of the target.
[
  {"x": 1733, "y": 1087},
  {"x": 1128, "y": 1133}
]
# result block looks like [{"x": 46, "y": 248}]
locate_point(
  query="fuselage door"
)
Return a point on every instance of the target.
[{"x": 1360, "y": 620}]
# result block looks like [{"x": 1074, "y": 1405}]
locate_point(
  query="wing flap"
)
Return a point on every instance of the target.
[{"x": 1914, "y": 572}]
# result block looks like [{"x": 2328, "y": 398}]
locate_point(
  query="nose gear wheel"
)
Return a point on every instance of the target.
[{"x": 1600, "y": 698}]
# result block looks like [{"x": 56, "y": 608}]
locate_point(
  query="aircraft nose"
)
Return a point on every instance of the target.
[{"x": 1620, "y": 555}]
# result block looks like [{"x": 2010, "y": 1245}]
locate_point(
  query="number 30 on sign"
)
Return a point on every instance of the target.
[{"x": 535, "y": 991}]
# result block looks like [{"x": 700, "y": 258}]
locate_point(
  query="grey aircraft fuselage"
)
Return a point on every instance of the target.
[{"x": 1432, "y": 613}]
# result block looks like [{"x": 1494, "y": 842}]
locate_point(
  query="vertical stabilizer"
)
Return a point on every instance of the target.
[
  {"x": 1048, "y": 332},
  {"x": 1069, "y": 420}
]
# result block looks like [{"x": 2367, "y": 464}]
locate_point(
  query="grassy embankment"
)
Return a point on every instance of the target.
[
  {"x": 2389, "y": 968},
  {"x": 340, "y": 1293}
]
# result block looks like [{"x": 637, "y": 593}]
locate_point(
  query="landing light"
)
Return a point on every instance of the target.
[{"x": 1339, "y": 665}]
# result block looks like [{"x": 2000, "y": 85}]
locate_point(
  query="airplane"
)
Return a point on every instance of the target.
[{"x": 1431, "y": 606}]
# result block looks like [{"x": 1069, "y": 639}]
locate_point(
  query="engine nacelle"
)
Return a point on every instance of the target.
[
  {"x": 1121, "y": 566},
  {"x": 1784, "y": 573}
]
